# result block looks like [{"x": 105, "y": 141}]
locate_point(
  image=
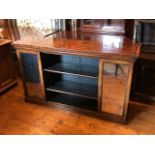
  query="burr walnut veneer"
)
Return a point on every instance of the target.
[{"x": 83, "y": 72}]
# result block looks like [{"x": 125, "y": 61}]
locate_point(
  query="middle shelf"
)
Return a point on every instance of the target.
[
  {"x": 71, "y": 85},
  {"x": 70, "y": 68}
]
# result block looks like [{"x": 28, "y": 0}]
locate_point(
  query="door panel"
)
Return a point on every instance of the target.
[
  {"x": 114, "y": 87},
  {"x": 31, "y": 76}
]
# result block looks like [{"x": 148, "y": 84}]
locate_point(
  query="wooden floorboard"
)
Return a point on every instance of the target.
[{"x": 19, "y": 117}]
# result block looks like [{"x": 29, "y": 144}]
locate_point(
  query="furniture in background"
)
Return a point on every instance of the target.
[
  {"x": 8, "y": 61},
  {"x": 7, "y": 75},
  {"x": 103, "y": 26},
  {"x": 106, "y": 26},
  {"x": 143, "y": 85}
]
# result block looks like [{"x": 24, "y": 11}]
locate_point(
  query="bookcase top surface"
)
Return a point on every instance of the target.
[{"x": 79, "y": 43}]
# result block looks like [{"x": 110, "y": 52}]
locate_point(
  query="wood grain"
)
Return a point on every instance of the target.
[
  {"x": 86, "y": 44},
  {"x": 18, "y": 117},
  {"x": 113, "y": 96}
]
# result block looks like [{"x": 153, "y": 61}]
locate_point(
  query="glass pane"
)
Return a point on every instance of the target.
[{"x": 114, "y": 87}]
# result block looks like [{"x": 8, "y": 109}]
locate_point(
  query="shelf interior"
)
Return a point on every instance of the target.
[
  {"x": 72, "y": 100},
  {"x": 76, "y": 65},
  {"x": 71, "y": 84},
  {"x": 71, "y": 80}
]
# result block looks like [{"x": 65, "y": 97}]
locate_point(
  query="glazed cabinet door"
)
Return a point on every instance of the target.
[
  {"x": 32, "y": 76},
  {"x": 115, "y": 86}
]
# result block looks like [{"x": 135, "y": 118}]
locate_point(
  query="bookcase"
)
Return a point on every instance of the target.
[
  {"x": 86, "y": 84},
  {"x": 84, "y": 74}
]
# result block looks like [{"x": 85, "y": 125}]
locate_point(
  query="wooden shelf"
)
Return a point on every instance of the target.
[
  {"x": 74, "y": 88},
  {"x": 69, "y": 68},
  {"x": 71, "y": 100}
]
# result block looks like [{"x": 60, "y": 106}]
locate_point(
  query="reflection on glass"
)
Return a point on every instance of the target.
[{"x": 113, "y": 41}]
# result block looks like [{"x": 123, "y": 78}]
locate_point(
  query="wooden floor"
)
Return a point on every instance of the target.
[{"x": 19, "y": 117}]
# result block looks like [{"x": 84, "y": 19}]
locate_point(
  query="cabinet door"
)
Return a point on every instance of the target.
[
  {"x": 31, "y": 75},
  {"x": 114, "y": 90},
  {"x": 6, "y": 66}
]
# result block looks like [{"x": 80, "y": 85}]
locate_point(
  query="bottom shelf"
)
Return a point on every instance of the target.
[{"x": 80, "y": 102}]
